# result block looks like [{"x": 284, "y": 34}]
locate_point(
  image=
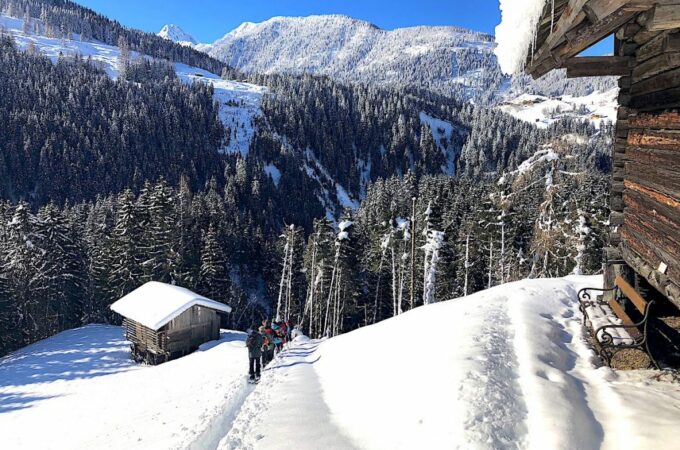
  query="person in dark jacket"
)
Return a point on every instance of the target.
[
  {"x": 268, "y": 347},
  {"x": 254, "y": 343}
]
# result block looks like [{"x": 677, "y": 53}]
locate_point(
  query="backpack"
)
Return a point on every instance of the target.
[{"x": 250, "y": 341}]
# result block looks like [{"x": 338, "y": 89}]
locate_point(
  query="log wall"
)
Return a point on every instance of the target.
[
  {"x": 180, "y": 336},
  {"x": 645, "y": 195}
]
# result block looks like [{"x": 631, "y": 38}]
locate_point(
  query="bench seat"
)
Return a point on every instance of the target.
[{"x": 610, "y": 325}]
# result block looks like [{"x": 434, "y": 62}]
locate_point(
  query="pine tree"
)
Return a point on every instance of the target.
[
  {"x": 124, "y": 255},
  {"x": 59, "y": 276},
  {"x": 20, "y": 268},
  {"x": 213, "y": 277}
]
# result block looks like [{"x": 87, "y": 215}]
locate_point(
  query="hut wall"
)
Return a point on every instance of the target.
[
  {"x": 190, "y": 329},
  {"x": 144, "y": 338},
  {"x": 645, "y": 194}
]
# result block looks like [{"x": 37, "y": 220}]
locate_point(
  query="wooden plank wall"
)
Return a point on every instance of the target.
[
  {"x": 192, "y": 328},
  {"x": 645, "y": 196},
  {"x": 144, "y": 337}
]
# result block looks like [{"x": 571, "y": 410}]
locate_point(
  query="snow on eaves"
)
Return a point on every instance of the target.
[
  {"x": 155, "y": 304},
  {"x": 515, "y": 34}
]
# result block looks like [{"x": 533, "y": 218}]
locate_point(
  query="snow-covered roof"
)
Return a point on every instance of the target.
[
  {"x": 516, "y": 32},
  {"x": 155, "y": 304}
]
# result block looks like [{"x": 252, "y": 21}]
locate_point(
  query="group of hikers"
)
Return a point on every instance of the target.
[{"x": 264, "y": 342}]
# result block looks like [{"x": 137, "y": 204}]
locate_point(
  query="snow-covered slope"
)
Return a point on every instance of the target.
[
  {"x": 355, "y": 50},
  {"x": 543, "y": 111},
  {"x": 239, "y": 102},
  {"x": 505, "y": 368},
  {"x": 80, "y": 390},
  {"x": 176, "y": 34}
]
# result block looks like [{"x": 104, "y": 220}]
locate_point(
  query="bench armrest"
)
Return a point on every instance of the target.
[
  {"x": 607, "y": 338},
  {"x": 584, "y": 294}
]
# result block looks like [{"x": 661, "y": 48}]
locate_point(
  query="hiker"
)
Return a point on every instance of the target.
[
  {"x": 254, "y": 343},
  {"x": 278, "y": 340},
  {"x": 268, "y": 346},
  {"x": 289, "y": 330}
]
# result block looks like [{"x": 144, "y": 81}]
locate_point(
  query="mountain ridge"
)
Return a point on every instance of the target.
[{"x": 449, "y": 60}]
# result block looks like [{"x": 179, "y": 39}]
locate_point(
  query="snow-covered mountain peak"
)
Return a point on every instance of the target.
[{"x": 174, "y": 33}]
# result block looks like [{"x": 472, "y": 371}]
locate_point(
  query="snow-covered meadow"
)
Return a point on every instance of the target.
[
  {"x": 81, "y": 390},
  {"x": 596, "y": 108}
]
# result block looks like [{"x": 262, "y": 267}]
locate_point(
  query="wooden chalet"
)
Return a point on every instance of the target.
[
  {"x": 164, "y": 322},
  {"x": 645, "y": 186}
]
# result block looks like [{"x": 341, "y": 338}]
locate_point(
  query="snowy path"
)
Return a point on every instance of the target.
[{"x": 287, "y": 410}]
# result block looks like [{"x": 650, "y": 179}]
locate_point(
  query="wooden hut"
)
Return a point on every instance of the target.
[
  {"x": 645, "y": 187},
  {"x": 164, "y": 322}
]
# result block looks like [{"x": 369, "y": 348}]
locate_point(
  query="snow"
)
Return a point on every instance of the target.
[
  {"x": 504, "y": 368},
  {"x": 345, "y": 224},
  {"x": 105, "y": 56},
  {"x": 239, "y": 102},
  {"x": 176, "y": 34},
  {"x": 546, "y": 154},
  {"x": 239, "y": 105},
  {"x": 508, "y": 367},
  {"x": 598, "y": 107},
  {"x": 155, "y": 304},
  {"x": 441, "y": 133},
  {"x": 80, "y": 390},
  {"x": 515, "y": 34},
  {"x": 435, "y": 240},
  {"x": 344, "y": 198},
  {"x": 273, "y": 172},
  {"x": 318, "y": 172}
]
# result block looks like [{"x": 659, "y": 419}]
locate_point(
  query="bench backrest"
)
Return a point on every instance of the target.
[{"x": 630, "y": 292}]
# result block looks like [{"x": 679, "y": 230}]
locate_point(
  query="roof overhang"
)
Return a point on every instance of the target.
[
  {"x": 155, "y": 304},
  {"x": 572, "y": 26}
]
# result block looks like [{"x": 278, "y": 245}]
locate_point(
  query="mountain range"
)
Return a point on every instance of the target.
[{"x": 447, "y": 60}]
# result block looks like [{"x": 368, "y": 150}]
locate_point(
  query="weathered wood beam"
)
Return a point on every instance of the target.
[
  {"x": 664, "y": 17},
  {"x": 603, "y": 8},
  {"x": 597, "y": 66},
  {"x": 663, "y": 43},
  {"x": 566, "y": 22},
  {"x": 657, "y": 279},
  {"x": 656, "y": 65},
  {"x": 668, "y": 120}
]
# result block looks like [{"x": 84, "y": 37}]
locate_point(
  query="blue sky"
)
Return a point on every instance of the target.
[{"x": 208, "y": 20}]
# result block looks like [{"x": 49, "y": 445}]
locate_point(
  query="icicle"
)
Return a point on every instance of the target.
[{"x": 552, "y": 17}]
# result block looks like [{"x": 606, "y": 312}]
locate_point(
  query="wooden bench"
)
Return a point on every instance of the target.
[{"x": 612, "y": 329}]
